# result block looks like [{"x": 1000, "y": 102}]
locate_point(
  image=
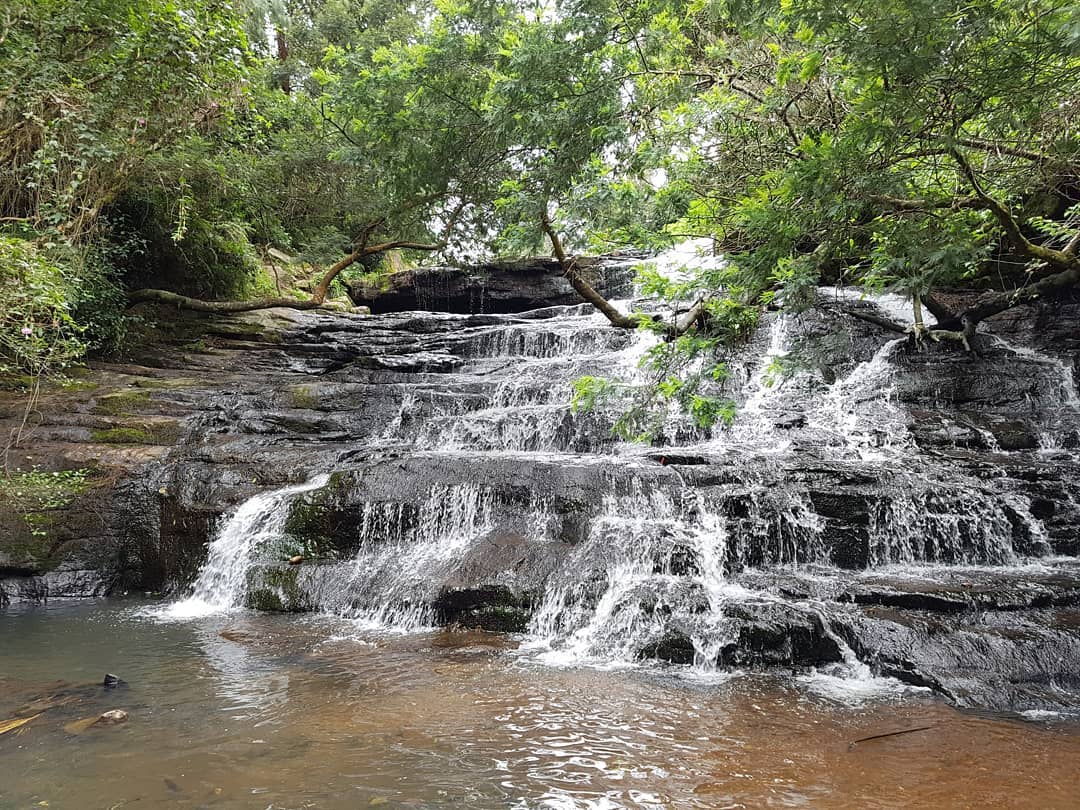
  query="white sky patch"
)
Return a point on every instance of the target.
[{"x": 680, "y": 262}]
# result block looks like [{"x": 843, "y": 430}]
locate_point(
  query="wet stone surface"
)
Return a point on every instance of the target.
[{"x": 915, "y": 511}]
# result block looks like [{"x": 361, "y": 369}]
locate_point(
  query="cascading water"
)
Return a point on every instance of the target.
[
  {"x": 394, "y": 577},
  {"x": 860, "y": 409},
  {"x": 752, "y": 423},
  {"x": 659, "y": 563},
  {"x": 222, "y": 581},
  {"x": 499, "y": 490}
]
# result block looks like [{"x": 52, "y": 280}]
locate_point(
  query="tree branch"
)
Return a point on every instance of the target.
[
  {"x": 217, "y": 307},
  {"x": 991, "y": 146},
  {"x": 1009, "y": 223},
  {"x": 901, "y": 204},
  {"x": 868, "y": 317},
  {"x": 582, "y": 287}
]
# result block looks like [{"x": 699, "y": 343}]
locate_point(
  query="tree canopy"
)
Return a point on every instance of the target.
[{"x": 912, "y": 146}]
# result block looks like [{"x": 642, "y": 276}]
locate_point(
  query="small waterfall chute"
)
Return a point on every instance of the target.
[{"x": 222, "y": 581}]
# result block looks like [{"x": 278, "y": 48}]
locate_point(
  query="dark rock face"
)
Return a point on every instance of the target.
[
  {"x": 498, "y": 287},
  {"x": 905, "y": 505}
]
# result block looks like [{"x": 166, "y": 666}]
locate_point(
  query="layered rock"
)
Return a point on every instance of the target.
[
  {"x": 496, "y": 287},
  {"x": 466, "y": 490}
]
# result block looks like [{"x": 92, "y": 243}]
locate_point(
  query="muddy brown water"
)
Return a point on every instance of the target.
[{"x": 256, "y": 711}]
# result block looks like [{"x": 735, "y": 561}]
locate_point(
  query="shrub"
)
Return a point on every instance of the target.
[{"x": 38, "y": 333}]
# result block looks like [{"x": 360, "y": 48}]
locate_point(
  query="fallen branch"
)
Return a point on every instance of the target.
[
  {"x": 217, "y": 307},
  {"x": 580, "y": 285},
  {"x": 868, "y": 317}
]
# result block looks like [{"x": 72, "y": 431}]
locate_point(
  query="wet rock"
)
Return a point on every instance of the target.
[
  {"x": 495, "y": 608},
  {"x": 498, "y": 287},
  {"x": 776, "y": 634},
  {"x": 673, "y": 647},
  {"x": 113, "y": 717},
  {"x": 278, "y": 588}
]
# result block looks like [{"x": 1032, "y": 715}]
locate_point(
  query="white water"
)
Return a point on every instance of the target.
[
  {"x": 658, "y": 560},
  {"x": 860, "y": 408},
  {"x": 850, "y": 681},
  {"x": 896, "y": 307},
  {"x": 404, "y": 554},
  {"x": 222, "y": 580},
  {"x": 752, "y": 423}
]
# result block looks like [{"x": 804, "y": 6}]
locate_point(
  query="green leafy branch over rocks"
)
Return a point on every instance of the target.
[
  {"x": 228, "y": 157},
  {"x": 36, "y": 494}
]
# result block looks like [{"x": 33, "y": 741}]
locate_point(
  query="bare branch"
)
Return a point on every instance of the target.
[
  {"x": 216, "y": 307},
  {"x": 582, "y": 287},
  {"x": 868, "y": 317},
  {"x": 901, "y": 204}
]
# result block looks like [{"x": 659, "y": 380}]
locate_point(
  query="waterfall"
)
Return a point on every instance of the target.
[
  {"x": 475, "y": 479},
  {"x": 860, "y": 408},
  {"x": 222, "y": 580},
  {"x": 395, "y": 574},
  {"x": 752, "y": 423},
  {"x": 659, "y": 564}
]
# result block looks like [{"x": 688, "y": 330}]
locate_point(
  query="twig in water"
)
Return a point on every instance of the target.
[{"x": 853, "y": 743}]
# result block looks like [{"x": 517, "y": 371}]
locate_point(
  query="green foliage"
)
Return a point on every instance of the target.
[
  {"x": 590, "y": 392},
  {"x": 37, "y": 332},
  {"x": 35, "y": 492},
  {"x": 171, "y": 144}
]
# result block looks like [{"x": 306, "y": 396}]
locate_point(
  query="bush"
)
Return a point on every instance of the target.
[{"x": 38, "y": 333}]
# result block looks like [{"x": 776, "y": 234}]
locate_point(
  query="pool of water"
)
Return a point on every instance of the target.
[{"x": 248, "y": 710}]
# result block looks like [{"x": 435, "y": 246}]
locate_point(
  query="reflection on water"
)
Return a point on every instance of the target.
[{"x": 276, "y": 712}]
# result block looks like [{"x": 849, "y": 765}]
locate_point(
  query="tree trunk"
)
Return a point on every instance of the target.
[
  {"x": 284, "y": 80},
  {"x": 217, "y": 307},
  {"x": 318, "y": 296},
  {"x": 580, "y": 285}
]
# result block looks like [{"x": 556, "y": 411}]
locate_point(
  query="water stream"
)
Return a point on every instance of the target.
[
  {"x": 657, "y": 560},
  {"x": 711, "y": 622},
  {"x": 222, "y": 580},
  {"x": 245, "y": 710}
]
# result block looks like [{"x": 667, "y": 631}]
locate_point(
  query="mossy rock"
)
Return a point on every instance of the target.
[
  {"x": 35, "y": 513},
  {"x": 158, "y": 433},
  {"x": 121, "y": 403},
  {"x": 496, "y": 619},
  {"x": 164, "y": 384},
  {"x": 277, "y": 589},
  {"x": 17, "y": 382},
  {"x": 316, "y": 527},
  {"x": 303, "y": 396},
  {"x": 494, "y": 607},
  {"x": 20, "y": 547}
]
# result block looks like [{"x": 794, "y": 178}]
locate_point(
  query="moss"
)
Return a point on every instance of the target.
[
  {"x": 308, "y": 530},
  {"x": 124, "y": 402},
  {"x": 121, "y": 436},
  {"x": 16, "y": 382},
  {"x": 144, "y": 433},
  {"x": 303, "y": 396},
  {"x": 166, "y": 384},
  {"x": 265, "y": 600},
  {"x": 74, "y": 385},
  {"x": 29, "y": 504},
  {"x": 239, "y": 330},
  {"x": 199, "y": 346},
  {"x": 277, "y": 590}
]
